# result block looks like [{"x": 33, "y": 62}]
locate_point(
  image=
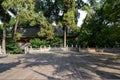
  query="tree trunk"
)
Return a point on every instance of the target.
[
  {"x": 15, "y": 28},
  {"x": 4, "y": 37},
  {"x": 65, "y": 34}
]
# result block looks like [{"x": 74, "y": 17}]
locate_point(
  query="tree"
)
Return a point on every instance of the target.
[
  {"x": 46, "y": 29},
  {"x": 68, "y": 17},
  {"x": 42, "y": 19},
  {"x": 100, "y": 23},
  {"x": 5, "y": 17},
  {"x": 63, "y": 12},
  {"x": 21, "y": 9}
]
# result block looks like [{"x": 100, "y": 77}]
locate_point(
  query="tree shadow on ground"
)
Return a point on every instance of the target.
[
  {"x": 3, "y": 57},
  {"x": 49, "y": 77},
  {"x": 95, "y": 64},
  {"x": 75, "y": 66},
  {"x": 7, "y": 66},
  {"x": 107, "y": 75}
]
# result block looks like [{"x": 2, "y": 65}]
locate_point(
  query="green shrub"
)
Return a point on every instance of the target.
[
  {"x": 12, "y": 47},
  {"x": 72, "y": 42},
  {"x": 36, "y": 43},
  {"x": 56, "y": 42}
]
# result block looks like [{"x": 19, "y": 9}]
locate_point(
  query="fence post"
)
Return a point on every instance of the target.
[
  {"x": 40, "y": 49},
  {"x": 79, "y": 48},
  {"x": 72, "y": 46},
  {"x": 67, "y": 48},
  {"x": 0, "y": 50},
  {"x": 44, "y": 48},
  {"x": 26, "y": 50},
  {"x": 49, "y": 46},
  {"x": 76, "y": 46}
]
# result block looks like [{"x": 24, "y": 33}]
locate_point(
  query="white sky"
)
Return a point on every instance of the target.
[
  {"x": 82, "y": 17},
  {"x": 86, "y": 1}
]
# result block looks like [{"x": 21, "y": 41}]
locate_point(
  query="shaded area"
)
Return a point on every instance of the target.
[
  {"x": 49, "y": 77},
  {"x": 3, "y": 57},
  {"x": 7, "y": 66},
  {"x": 108, "y": 75},
  {"x": 65, "y": 65},
  {"x": 77, "y": 66}
]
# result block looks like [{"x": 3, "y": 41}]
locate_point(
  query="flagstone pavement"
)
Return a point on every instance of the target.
[{"x": 59, "y": 66}]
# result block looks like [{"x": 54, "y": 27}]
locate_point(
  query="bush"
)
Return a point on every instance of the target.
[
  {"x": 72, "y": 42},
  {"x": 36, "y": 43},
  {"x": 56, "y": 42},
  {"x": 12, "y": 47}
]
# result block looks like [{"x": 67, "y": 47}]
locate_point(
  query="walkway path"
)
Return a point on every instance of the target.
[{"x": 59, "y": 66}]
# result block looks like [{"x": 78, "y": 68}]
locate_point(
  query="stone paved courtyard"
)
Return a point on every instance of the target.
[{"x": 59, "y": 66}]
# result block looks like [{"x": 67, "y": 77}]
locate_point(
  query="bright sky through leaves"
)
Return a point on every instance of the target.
[{"x": 82, "y": 17}]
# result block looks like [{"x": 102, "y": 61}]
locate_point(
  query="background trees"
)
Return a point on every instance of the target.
[
  {"x": 20, "y": 9},
  {"x": 68, "y": 17},
  {"x": 100, "y": 27},
  {"x": 102, "y": 24},
  {"x": 62, "y": 12}
]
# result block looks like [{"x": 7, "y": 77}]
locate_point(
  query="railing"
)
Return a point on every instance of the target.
[
  {"x": 67, "y": 49},
  {"x": 49, "y": 49},
  {"x": 29, "y": 49}
]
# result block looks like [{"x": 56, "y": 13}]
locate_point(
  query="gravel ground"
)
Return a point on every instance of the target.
[{"x": 59, "y": 66}]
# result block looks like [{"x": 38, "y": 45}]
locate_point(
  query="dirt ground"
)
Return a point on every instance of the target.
[{"x": 59, "y": 66}]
